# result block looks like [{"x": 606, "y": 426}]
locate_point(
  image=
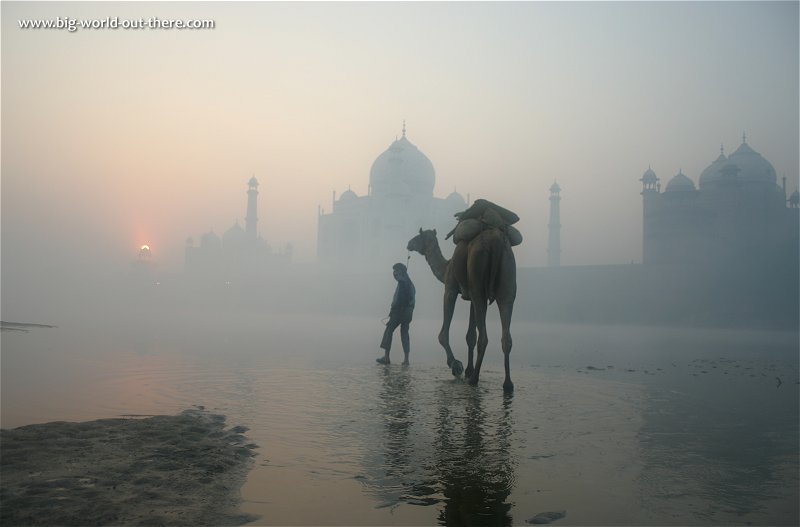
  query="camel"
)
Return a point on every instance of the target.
[{"x": 483, "y": 270}]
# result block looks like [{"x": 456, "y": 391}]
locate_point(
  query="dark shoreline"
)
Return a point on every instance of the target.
[
  {"x": 185, "y": 469},
  {"x": 25, "y": 327}
]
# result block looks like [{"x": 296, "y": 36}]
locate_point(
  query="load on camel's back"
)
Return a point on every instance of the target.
[
  {"x": 477, "y": 226},
  {"x": 481, "y": 215}
]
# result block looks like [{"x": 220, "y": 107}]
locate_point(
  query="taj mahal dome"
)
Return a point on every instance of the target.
[{"x": 367, "y": 232}]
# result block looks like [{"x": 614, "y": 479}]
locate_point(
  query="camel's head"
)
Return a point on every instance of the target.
[{"x": 422, "y": 241}]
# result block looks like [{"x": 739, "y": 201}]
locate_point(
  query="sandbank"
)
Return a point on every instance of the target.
[{"x": 185, "y": 469}]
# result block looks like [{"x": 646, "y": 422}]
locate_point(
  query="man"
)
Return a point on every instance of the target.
[{"x": 400, "y": 313}]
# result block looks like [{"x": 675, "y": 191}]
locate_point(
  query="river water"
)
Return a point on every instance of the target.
[{"x": 611, "y": 425}]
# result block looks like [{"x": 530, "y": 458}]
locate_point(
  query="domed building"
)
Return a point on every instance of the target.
[
  {"x": 736, "y": 215},
  {"x": 239, "y": 254},
  {"x": 372, "y": 230}
]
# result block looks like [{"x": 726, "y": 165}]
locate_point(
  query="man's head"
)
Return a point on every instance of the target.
[{"x": 399, "y": 270}]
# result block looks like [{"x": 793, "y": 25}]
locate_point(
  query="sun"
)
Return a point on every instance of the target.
[{"x": 145, "y": 248}]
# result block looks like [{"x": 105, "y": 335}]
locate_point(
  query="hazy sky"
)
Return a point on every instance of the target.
[{"x": 116, "y": 138}]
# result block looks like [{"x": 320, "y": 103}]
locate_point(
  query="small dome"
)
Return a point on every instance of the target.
[
  {"x": 210, "y": 239},
  {"x": 680, "y": 183},
  {"x": 649, "y": 176},
  {"x": 348, "y": 195},
  {"x": 402, "y": 168},
  {"x": 456, "y": 199},
  {"x": 555, "y": 188},
  {"x": 253, "y": 182}
]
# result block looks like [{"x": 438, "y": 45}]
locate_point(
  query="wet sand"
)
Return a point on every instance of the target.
[{"x": 185, "y": 469}]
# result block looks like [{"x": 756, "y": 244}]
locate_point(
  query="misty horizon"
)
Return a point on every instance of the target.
[
  {"x": 200, "y": 208},
  {"x": 589, "y": 95},
  {"x": 116, "y": 139}
]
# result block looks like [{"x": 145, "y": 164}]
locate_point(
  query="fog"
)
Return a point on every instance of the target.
[
  {"x": 117, "y": 138},
  {"x": 112, "y": 139},
  {"x": 655, "y": 369}
]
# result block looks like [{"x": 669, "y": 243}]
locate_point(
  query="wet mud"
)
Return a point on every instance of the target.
[{"x": 185, "y": 469}]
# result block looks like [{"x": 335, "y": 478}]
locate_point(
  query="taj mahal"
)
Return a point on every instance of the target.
[{"x": 371, "y": 231}]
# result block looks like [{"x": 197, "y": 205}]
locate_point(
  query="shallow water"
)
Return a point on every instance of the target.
[{"x": 614, "y": 425}]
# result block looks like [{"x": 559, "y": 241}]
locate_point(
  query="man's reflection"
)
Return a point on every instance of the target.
[
  {"x": 396, "y": 410},
  {"x": 402, "y": 473}
]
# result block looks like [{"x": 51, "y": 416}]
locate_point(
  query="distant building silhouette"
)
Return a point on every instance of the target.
[
  {"x": 369, "y": 231},
  {"x": 251, "y": 219},
  {"x": 794, "y": 199},
  {"x": 554, "y": 227},
  {"x": 738, "y": 213},
  {"x": 240, "y": 253},
  {"x": 722, "y": 253}
]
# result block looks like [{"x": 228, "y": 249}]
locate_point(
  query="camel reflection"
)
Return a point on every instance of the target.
[
  {"x": 446, "y": 447},
  {"x": 474, "y": 466}
]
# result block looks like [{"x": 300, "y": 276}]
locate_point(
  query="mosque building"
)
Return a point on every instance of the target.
[
  {"x": 366, "y": 232},
  {"x": 239, "y": 253},
  {"x": 718, "y": 252},
  {"x": 737, "y": 213}
]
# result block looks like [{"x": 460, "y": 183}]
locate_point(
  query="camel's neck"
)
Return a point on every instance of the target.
[{"x": 438, "y": 263}]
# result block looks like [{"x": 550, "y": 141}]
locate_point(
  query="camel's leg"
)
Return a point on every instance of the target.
[
  {"x": 479, "y": 304},
  {"x": 505, "y": 320},
  {"x": 450, "y": 296},
  {"x": 471, "y": 339}
]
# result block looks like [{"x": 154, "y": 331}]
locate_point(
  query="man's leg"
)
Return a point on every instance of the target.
[
  {"x": 405, "y": 340},
  {"x": 386, "y": 342}
]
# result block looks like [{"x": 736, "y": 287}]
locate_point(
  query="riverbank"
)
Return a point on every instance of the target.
[{"x": 185, "y": 469}]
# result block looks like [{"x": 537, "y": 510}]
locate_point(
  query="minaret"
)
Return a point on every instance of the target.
[
  {"x": 554, "y": 228},
  {"x": 252, "y": 217},
  {"x": 651, "y": 188}
]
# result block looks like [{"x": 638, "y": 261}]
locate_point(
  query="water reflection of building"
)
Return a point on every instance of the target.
[
  {"x": 239, "y": 253},
  {"x": 724, "y": 450},
  {"x": 373, "y": 229}
]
